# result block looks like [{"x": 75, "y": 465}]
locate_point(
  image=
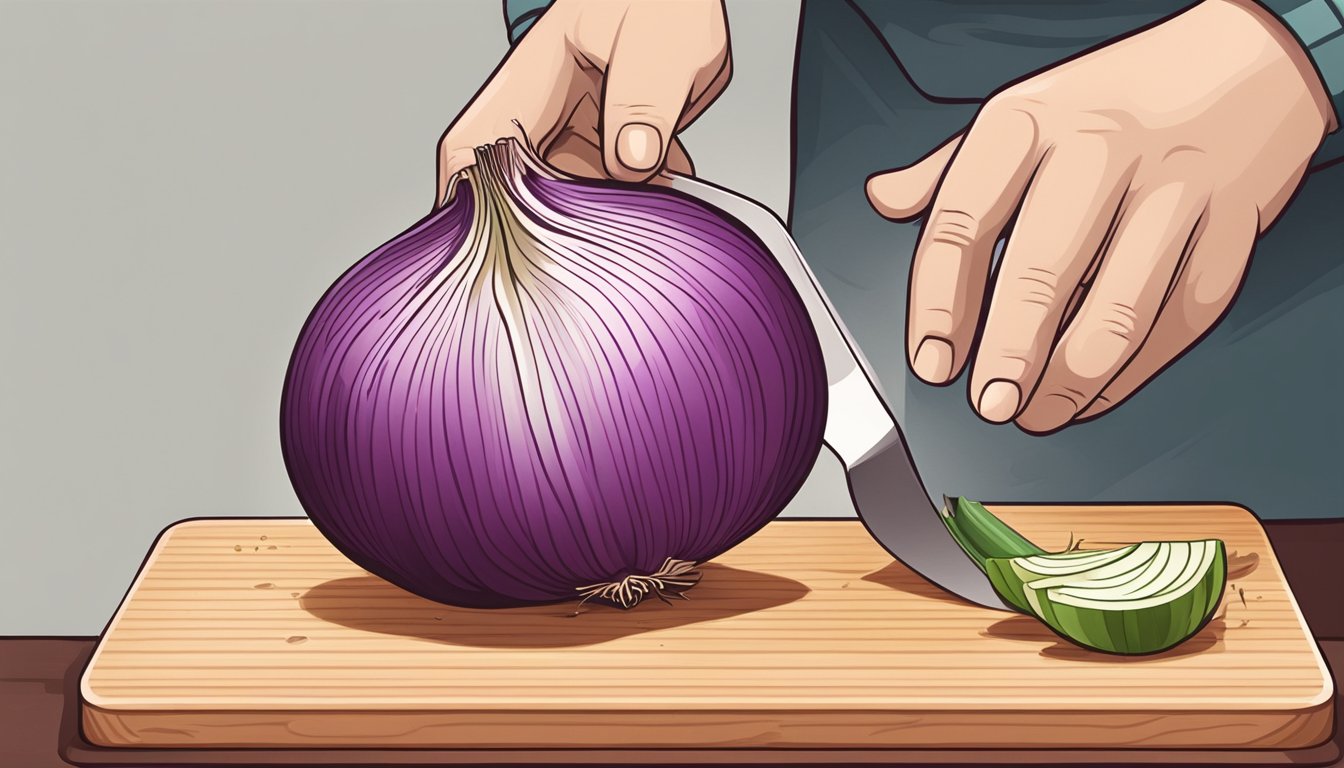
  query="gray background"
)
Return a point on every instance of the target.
[{"x": 179, "y": 182}]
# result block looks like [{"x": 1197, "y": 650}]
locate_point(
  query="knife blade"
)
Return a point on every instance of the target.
[{"x": 884, "y": 485}]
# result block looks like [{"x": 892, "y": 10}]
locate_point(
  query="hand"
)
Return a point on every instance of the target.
[
  {"x": 600, "y": 88},
  {"x": 1135, "y": 180}
]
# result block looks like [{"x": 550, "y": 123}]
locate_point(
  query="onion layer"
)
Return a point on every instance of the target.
[{"x": 553, "y": 389}]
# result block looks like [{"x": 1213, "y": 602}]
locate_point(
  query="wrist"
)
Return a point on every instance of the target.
[{"x": 1287, "y": 44}]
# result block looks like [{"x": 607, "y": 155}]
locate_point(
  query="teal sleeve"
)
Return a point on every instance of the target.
[
  {"x": 520, "y": 15},
  {"x": 1319, "y": 26}
]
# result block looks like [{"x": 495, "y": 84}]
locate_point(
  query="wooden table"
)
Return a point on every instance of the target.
[{"x": 39, "y": 676}]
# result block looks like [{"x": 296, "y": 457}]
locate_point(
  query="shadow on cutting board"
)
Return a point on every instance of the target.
[
  {"x": 900, "y": 578},
  {"x": 369, "y": 604},
  {"x": 1027, "y": 629}
]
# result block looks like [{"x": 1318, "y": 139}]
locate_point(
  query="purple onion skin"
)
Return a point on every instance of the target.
[{"x": 663, "y": 395}]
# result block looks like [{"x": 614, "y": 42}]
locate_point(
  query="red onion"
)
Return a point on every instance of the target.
[{"x": 553, "y": 389}]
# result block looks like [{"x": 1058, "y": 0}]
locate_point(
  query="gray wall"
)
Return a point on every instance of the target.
[{"x": 179, "y": 181}]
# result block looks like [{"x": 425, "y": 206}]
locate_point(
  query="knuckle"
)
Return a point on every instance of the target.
[
  {"x": 1104, "y": 154},
  {"x": 1109, "y": 128},
  {"x": 458, "y": 137},
  {"x": 1015, "y": 99},
  {"x": 715, "y": 44},
  {"x": 1107, "y": 133},
  {"x": 1063, "y": 399},
  {"x": 1015, "y": 123},
  {"x": 1050, "y": 410},
  {"x": 1037, "y": 286},
  {"x": 641, "y": 112},
  {"x": 959, "y": 229},
  {"x": 938, "y": 319},
  {"x": 450, "y": 151},
  {"x": 446, "y": 155},
  {"x": 1185, "y": 159},
  {"x": 1208, "y": 294},
  {"x": 1014, "y": 109},
  {"x": 1091, "y": 358},
  {"x": 1120, "y": 320},
  {"x": 628, "y": 109},
  {"x": 1012, "y": 363},
  {"x": 1086, "y": 364},
  {"x": 1059, "y": 405},
  {"x": 720, "y": 64}
]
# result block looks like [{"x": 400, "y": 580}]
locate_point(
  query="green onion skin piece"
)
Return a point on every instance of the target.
[
  {"x": 981, "y": 534},
  {"x": 1139, "y": 599}
]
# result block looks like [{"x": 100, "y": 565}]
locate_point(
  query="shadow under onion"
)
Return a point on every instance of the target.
[{"x": 369, "y": 604}]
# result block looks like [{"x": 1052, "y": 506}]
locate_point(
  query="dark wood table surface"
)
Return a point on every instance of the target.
[{"x": 39, "y": 675}]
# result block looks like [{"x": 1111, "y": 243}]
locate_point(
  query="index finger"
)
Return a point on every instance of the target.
[{"x": 978, "y": 194}]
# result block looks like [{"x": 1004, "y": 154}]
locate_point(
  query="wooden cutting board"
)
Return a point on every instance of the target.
[{"x": 256, "y": 632}]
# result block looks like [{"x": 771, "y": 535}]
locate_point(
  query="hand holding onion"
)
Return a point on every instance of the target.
[{"x": 600, "y": 89}]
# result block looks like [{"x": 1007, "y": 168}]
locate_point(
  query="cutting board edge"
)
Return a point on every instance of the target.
[
  {"x": 1326, "y": 695},
  {"x": 1278, "y": 730},
  {"x": 86, "y": 692},
  {"x": 89, "y": 697}
]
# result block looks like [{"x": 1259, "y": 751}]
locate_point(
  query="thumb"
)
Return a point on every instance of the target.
[
  {"x": 639, "y": 147},
  {"x": 650, "y": 78},
  {"x": 904, "y": 193}
]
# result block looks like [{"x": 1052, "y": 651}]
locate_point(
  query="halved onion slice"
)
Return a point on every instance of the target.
[{"x": 1137, "y": 599}]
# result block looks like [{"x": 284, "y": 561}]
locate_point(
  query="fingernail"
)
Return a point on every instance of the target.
[
  {"x": 999, "y": 401},
  {"x": 933, "y": 360},
  {"x": 638, "y": 146}
]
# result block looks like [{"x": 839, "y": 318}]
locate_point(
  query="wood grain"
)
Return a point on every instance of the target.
[{"x": 255, "y": 632}]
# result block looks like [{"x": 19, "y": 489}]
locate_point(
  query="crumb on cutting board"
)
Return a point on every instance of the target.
[{"x": 292, "y": 639}]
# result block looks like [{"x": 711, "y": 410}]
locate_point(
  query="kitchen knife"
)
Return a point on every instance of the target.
[{"x": 886, "y": 489}]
